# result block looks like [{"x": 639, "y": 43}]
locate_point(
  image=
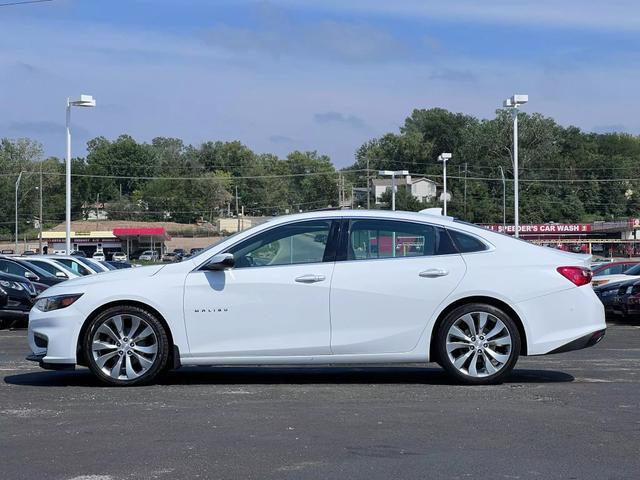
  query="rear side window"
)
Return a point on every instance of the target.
[
  {"x": 372, "y": 239},
  {"x": 466, "y": 243}
]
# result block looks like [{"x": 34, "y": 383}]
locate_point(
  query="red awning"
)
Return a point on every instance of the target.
[{"x": 158, "y": 232}]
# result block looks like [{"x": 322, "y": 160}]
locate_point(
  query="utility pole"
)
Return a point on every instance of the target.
[
  {"x": 17, "y": 186},
  {"x": 41, "y": 219},
  {"x": 465, "y": 190},
  {"x": 368, "y": 186},
  {"x": 97, "y": 211},
  {"x": 504, "y": 201},
  {"x": 237, "y": 211}
]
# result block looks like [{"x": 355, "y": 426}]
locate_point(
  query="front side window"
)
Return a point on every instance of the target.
[
  {"x": 296, "y": 243},
  {"x": 372, "y": 239}
]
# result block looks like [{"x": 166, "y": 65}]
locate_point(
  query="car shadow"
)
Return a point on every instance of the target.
[{"x": 284, "y": 376}]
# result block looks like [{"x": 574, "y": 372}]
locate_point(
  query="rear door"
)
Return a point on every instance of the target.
[{"x": 393, "y": 277}]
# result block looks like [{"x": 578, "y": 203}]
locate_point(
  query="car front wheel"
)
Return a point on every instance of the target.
[
  {"x": 126, "y": 345},
  {"x": 478, "y": 344}
]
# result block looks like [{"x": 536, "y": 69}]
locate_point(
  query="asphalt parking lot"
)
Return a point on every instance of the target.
[{"x": 574, "y": 415}]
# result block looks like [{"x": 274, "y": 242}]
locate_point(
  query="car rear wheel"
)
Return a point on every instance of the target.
[
  {"x": 478, "y": 344},
  {"x": 126, "y": 345}
]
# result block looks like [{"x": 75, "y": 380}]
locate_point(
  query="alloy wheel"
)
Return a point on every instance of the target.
[
  {"x": 124, "y": 347},
  {"x": 479, "y": 344}
]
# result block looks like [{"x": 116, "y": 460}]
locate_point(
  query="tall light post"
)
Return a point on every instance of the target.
[
  {"x": 393, "y": 174},
  {"x": 504, "y": 199},
  {"x": 444, "y": 157},
  {"x": 17, "y": 187},
  {"x": 83, "y": 101},
  {"x": 512, "y": 104}
]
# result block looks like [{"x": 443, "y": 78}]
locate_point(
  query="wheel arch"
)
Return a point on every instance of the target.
[
  {"x": 174, "y": 354},
  {"x": 478, "y": 299}
]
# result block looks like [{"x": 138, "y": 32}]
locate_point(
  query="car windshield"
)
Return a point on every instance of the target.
[
  {"x": 223, "y": 239},
  {"x": 108, "y": 265},
  {"x": 36, "y": 269},
  {"x": 635, "y": 270},
  {"x": 91, "y": 264}
]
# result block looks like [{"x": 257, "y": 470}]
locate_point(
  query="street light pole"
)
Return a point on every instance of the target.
[
  {"x": 513, "y": 103},
  {"x": 392, "y": 174},
  {"x": 17, "y": 186},
  {"x": 504, "y": 199},
  {"x": 444, "y": 157},
  {"x": 83, "y": 101}
]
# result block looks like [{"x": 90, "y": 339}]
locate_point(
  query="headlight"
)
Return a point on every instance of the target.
[
  {"x": 14, "y": 285},
  {"x": 57, "y": 302}
]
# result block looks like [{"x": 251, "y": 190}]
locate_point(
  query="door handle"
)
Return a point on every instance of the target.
[
  {"x": 434, "y": 272},
  {"x": 310, "y": 278}
]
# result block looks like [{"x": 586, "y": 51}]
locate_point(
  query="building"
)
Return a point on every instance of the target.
[
  {"x": 122, "y": 239},
  {"x": 422, "y": 188},
  {"x": 605, "y": 239}
]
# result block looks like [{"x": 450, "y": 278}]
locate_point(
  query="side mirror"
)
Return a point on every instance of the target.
[
  {"x": 31, "y": 276},
  {"x": 60, "y": 274},
  {"x": 222, "y": 261}
]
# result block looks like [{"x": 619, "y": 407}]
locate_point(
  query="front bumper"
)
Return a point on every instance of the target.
[
  {"x": 49, "y": 366},
  {"x": 53, "y": 336}
]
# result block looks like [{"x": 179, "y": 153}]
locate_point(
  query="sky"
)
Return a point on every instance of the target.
[{"x": 309, "y": 75}]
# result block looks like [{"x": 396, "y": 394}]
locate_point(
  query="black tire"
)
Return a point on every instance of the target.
[
  {"x": 160, "y": 362},
  {"x": 464, "y": 377}
]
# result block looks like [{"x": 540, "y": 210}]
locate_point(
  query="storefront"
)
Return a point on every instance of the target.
[{"x": 605, "y": 239}]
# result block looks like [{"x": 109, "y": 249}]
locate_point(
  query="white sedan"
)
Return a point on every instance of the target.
[{"x": 327, "y": 288}]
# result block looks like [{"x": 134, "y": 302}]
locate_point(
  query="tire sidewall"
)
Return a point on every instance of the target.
[
  {"x": 441, "y": 344},
  {"x": 160, "y": 362}
]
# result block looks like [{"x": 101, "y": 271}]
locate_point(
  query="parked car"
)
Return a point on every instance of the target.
[
  {"x": 609, "y": 296},
  {"x": 630, "y": 299},
  {"x": 33, "y": 273},
  {"x": 170, "y": 257},
  {"x": 98, "y": 256},
  {"x": 271, "y": 294},
  {"x": 78, "y": 253},
  {"x": 149, "y": 256},
  {"x": 16, "y": 299},
  {"x": 119, "y": 257},
  {"x": 94, "y": 265},
  {"x": 629, "y": 274},
  {"x": 55, "y": 268},
  {"x": 613, "y": 268},
  {"x": 180, "y": 252},
  {"x": 195, "y": 251}
]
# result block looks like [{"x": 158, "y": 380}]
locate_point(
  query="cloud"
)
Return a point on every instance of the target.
[
  {"x": 453, "y": 75},
  {"x": 278, "y": 35},
  {"x": 621, "y": 15},
  {"x": 338, "y": 118},
  {"x": 44, "y": 128},
  {"x": 280, "y": 139}
]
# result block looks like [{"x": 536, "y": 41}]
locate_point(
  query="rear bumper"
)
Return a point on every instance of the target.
[
  {"x": 586, "y": 341},
  {"x": 9, "y": 314}
]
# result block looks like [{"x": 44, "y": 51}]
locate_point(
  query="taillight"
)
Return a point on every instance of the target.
[{"x": 577, "y": 275}]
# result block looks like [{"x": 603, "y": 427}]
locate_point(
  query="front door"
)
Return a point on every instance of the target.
[
  {"x": 274, "y": 302},
  {"x": 393, "y": 279}
]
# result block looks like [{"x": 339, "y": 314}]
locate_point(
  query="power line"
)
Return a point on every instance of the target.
[{"x": 10, "y": 4}]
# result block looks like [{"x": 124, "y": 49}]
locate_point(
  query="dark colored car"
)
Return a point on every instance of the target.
[
  {"x": 627, "y": 302},
  {"x": 608, "y": 294},
  {"x": 119, "y": 265},
  {"x": 180, "y": 252},
  {"x": 16, "y": 299},
  {"x": 78, "y": 253},
  {"x": 612, "y": 268},
  {"x": 31, "y": 272},
  {"x": 195, "y": 251}
]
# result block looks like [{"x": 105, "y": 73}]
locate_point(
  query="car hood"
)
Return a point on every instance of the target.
[{"x": 77, "y": 284}]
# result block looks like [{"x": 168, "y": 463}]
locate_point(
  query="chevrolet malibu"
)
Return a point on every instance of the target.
[{"x": 327, "y": 288}]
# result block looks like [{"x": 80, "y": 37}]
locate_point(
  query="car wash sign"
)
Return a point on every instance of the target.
[{"x": 543, "y": 228}]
